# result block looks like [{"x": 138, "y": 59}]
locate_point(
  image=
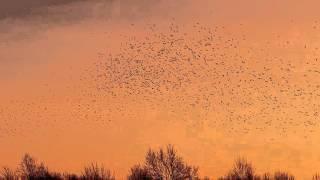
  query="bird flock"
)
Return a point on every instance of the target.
[
  {"x": 208, "y": 77},
  {"x": 199, "y": 75}
]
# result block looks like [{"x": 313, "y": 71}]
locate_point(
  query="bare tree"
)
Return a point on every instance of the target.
[
  {"x": 167, "y": 165},
  {"x": 30, "y": 169},
  {"x": 95, "y": 172},
  {"x": 242, "y": 170}
]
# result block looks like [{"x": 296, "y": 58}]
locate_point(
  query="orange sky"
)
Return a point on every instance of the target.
[{"x": 51, "y": 106}]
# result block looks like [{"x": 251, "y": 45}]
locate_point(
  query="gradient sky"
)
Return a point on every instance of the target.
[{"x": 51, "y": 56}]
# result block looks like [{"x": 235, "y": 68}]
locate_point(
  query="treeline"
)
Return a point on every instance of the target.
[{"x": 161, "y": 164}]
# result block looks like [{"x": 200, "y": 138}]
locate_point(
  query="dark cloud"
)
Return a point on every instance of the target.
[
  {"x": 22, "y": 9},
  {"x": 21, "y": 18}
]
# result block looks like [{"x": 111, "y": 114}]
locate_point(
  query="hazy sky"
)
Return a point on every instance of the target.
[{"x": 256, "y": 96}]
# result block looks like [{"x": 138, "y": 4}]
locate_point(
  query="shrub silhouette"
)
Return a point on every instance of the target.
[
  {"x": 70, "y": 176},
  {"x": 316, "y": 177},
  {"x": 266, "y": 176},
  {"x": 164, "y": 164},
  {"x": 139, "y": 173},
  {"x": 242, "y": 170},
  {"x": 277, "y": 176},
  {"x": 283, "y": 176},
  {"x": 9, "y": 174},
  {"x": 95, "y": 172}
]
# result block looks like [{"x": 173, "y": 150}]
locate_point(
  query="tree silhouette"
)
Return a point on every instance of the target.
[
  {"x": 242, "y": 170},
  {"x": 161, "y": 164},
  {"x": 95, "y": 172},
  {"x": 29, "y": 169},
  {"x": 164, "y": 164}
]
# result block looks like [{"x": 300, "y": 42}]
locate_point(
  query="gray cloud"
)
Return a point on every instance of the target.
[
  {"x": 22, "y": 9},
  {"x": 22, "y": 18}
]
